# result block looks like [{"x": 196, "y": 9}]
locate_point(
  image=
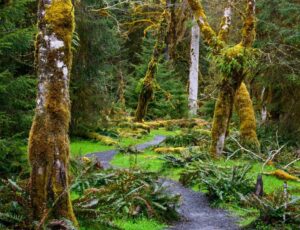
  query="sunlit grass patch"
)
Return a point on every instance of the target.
[
  {"x": 140, "y": 224},
  {"x": 83, "y": 147}
]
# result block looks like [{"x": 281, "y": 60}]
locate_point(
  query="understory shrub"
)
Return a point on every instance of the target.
[
  {"x": 224, "y": 184},
  {"x": 12, "y": 158},
  {"x": 14, "y": 205},
  {"x": 108, "y": 194},
  {"x": 190, "y": 138},
  {"x": 182, "y": 160},
  {"x": 274, "y": 208}
]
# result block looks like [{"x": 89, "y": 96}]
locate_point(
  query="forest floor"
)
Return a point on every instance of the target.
[{"x": 194, "y": 210}]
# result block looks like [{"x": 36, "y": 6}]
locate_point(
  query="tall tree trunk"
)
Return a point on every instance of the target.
[
  {"x": 194, "y": 70},
  {"x": 147, "y": 90},
  {"x": 121, "y": 90},
  {"x": 231, "y": 80},
  {"x": 48, "y": 141},
  {"x": 264, "y": 111},
  {"x": 244, "y": 108},
  {"x": 222, "y": 116}
]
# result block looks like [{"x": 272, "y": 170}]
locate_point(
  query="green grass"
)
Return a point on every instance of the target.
[
  {"x": 129, "y": 224},
  {"x": 271, "y": 183},
  {"x": 156, "y": 132},
  {"x": 148, "y": 160},
  {"x": 83, "y": 147},
  {"x": 140, "y": 224}
]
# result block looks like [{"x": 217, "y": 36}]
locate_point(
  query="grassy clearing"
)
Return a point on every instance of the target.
[
  {"x": 123, "y": 142},
  {"x": 140, "y": 224},
  {"x": 271, "y": 183},
  {"x": 83, "y": 147},
  {"x": 80, "y": 147},
  {"x": 150, "y": 161}
]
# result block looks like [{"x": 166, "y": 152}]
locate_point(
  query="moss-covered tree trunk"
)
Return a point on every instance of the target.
[
  {"x": 245, "y": 111},
  {"x": 148, "y": 85},
  {"x": 233, "y": 57},
  {"x": 48, "y": 141}
]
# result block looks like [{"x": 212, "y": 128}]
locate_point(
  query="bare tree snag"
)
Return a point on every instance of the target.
[
  {"x": 244, "y": 108},
  {"x": 232, "y": 79},
  {"x": 194, "y": 70},
  {"x": 147, "y": 89},
  {"x": 48, "y": 141}
]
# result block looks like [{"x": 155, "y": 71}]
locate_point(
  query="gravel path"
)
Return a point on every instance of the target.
[
  {"x": 196, "y": 214},
  {"x": 106, "y": 156}
]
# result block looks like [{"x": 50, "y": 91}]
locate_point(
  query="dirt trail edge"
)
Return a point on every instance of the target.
[{"x": 196, "y": 214}]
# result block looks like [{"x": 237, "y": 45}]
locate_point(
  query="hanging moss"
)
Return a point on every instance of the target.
[
  {"x": 248, "y": 31},
  {"x": 147, "y": 88},
  {"x": 48, "y": 140},
  {"x": 208, "y": 33},
  {"x": 244, "y": 108},
  {"x": 233, "y": 62}
]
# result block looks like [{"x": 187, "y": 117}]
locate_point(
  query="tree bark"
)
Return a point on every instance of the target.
[
  {"x": 232, "y": 80},
  {"x": 147, "y": 90},
  {"x": 48, "y": 140},
  {"x": 194, "y": 70}
]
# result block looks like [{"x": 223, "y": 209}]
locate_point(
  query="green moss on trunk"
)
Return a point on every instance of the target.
[
  {"x": 222, "y": 116},
  {"x": 48, "y": 141},
  {"x": 244, "y": 108},
  {"x": 147, "y": 89}
]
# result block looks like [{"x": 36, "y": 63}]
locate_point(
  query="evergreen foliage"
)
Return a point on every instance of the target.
[
  {"x": 278, "y": 36},
  {"x": 93, "y": 81},
  {"x": 17, "y": 84},
  {"x": 12, "y": 158},
  {"x": 170, "y": 98}
]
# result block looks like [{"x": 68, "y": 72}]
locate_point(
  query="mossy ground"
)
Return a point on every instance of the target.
[{"x": 151, "y": 161}]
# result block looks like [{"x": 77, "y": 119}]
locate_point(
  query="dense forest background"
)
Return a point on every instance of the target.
[
  {"x": 113, "y": 46},
  {"x": 110, "y": 61}
]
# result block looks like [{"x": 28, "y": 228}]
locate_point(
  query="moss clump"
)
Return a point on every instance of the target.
[
  {"x": 166, "y": 150},
  {"x": 244, "y": 108},
  {"x": 104, "y": 139},
  {"x": 283, "y": 175}
]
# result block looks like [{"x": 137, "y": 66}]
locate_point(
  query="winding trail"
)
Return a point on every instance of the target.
[{"x": 196, "y": 214}]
